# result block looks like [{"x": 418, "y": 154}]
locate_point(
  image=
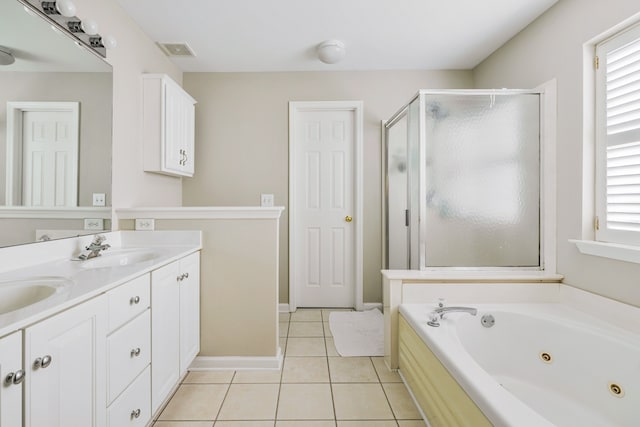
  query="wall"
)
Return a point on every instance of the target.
[
  {"x": 134, "y": 55},
  {"x": 552, "y": 47},
  {"x": 242, "y": 140},
  {"x": 238, "y": 284}
]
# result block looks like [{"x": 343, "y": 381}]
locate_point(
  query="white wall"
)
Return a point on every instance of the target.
[
  {"x": 134, "y": 55},
  {"x": 242, "y": 140},
  {"x": 552, "y": 47}
]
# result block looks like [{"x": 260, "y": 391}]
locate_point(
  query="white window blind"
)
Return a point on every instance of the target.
[{"x": 618, "y": 138}]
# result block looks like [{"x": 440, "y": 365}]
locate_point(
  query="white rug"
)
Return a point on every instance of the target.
[{"x": 358, "y": 333}]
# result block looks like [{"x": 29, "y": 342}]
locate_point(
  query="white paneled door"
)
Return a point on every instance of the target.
[
  {"x": 42, "y": 152},
  {"x": 324, "y": 207}
]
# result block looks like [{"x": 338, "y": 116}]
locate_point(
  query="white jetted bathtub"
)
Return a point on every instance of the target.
[{"x": 537, "y": 365}]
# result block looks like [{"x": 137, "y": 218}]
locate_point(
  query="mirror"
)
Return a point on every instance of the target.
[{"x": 56, "y": 93}]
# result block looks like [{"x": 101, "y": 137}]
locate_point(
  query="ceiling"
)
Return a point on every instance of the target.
[{"x": 281, "y": 35}]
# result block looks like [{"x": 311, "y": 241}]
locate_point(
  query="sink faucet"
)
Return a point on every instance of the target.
[
  {"x": 94, "y": 249},
  {"x": 438, "y": 313}
]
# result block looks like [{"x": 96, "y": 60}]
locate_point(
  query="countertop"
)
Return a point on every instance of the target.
[{"x": 84, "y": 283}]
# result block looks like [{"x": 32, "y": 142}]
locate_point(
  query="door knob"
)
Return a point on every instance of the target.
[{"x": 348, "y": 218}]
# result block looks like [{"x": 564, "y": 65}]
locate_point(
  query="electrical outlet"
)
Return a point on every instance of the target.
[
  {"x": 99, "y": 199},
  {"x": 93, "y": 224},
  {"x": 266, "y": 200},
  {"x": 145, "y": 224}
]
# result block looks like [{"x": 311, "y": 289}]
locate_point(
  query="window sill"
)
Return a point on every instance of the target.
[{"x": 615, "y": 251}]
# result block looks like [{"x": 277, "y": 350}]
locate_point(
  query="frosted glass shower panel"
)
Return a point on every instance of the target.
[{"x": 482, "y": 180}]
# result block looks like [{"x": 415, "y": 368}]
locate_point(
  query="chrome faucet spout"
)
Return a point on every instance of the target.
[
  {"x": 95, "y": 248},
  {"x": 438, "y": 313}
]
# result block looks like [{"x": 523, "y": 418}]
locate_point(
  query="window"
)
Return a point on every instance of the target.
[{"x": 618, "y": 138}]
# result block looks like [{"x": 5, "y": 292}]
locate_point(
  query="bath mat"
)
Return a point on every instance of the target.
[{"x": 358, "y": 333}]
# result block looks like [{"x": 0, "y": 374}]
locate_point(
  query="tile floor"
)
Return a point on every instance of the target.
[{"x": 315, "y": 388}]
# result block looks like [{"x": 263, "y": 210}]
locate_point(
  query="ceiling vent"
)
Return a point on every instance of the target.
[{"x": 176, "y": 49}]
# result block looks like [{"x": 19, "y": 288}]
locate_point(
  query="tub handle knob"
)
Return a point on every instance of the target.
[{"x": 434, "y": 320}]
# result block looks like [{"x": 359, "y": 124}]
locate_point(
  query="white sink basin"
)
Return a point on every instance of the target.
[
  {"x": 18, "y": 294},
  {"x": 119, "y": 257}
]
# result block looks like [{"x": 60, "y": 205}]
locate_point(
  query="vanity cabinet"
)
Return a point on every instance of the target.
[
  {"x": 168, "y": 126},
  {"x": 12, "y": 377},
  {"x": 64, "y": 357},
  {"x": 175, "y": 324}
]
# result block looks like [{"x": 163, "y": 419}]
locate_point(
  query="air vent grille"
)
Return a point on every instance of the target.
[{"x": 176, "y": 49}]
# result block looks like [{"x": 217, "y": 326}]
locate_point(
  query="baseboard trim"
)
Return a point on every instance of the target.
[
  {"x": 283, "y": 308},
  {"x": 236, "y": 363}
]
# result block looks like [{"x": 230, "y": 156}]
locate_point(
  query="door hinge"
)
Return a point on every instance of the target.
[
  {"x": 596, "y": 62},
  {"x": 596, "y": 224}
]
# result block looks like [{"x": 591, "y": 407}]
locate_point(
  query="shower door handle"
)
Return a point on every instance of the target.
[{"x": 406, "y": 217}]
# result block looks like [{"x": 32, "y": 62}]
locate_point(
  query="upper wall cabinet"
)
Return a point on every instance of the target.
[{"x": 168, "y": 122}]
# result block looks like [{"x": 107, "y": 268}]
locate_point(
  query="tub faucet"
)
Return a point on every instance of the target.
[
  {"x": 94, "y": 249},
  {"x": 438, "y": 313}
]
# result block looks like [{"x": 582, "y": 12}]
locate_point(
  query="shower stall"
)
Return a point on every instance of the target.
[{"x": 463, "y": 181}]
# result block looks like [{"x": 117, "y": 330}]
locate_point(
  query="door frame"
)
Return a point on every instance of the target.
[
  {"x": 15, "y": 110},
  {"x": 295, "y": 108}
]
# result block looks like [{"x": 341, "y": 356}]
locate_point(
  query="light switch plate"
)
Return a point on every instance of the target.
[
  {"x": 145, "y": 224},
  {"x": 99, "y": 199},
  {"x": 266, "y": 200}
]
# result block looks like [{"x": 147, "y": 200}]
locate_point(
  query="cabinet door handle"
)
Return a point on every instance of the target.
[
  {"x": 185, "y": 158},
  {"x": 134, "y": 300},
  {"x": 186, "y": 275},
  {"x": 42, "y": 362},
  {"x": 136, "y": 413},
  {"x": 135, "y": 352},
  {"x": 14, "y": 377}
]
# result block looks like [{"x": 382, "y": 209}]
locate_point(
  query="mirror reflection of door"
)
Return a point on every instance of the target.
[{"x": 44, "y": 141}]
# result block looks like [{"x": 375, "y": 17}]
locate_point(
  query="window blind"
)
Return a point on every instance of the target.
[{"x": 623, "y": 134}]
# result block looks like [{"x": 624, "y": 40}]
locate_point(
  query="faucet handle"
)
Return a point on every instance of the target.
[
  {"x": 441, "y": 302},
  {"x": 99, "y": 238}
]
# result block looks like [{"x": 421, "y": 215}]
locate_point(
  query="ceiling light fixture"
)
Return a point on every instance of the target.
[
  {"x": 6, "y": 56},
  {"x": 331, "y": 51}
]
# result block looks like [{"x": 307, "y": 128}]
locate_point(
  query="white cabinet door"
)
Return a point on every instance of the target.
[
  {"x": 65, "y": 362},
  {"x": 165, "y": 333},
  {"x": 168, "y": 122},
  {"x": 11, "y": 380},
  {"x": 189, "y": 310}
]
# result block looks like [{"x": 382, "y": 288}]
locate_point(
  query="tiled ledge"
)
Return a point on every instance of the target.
[{"x": 202, "y": 212}]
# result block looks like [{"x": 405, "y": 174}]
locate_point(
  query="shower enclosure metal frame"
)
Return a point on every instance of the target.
[{"x": 547, "y": 112}]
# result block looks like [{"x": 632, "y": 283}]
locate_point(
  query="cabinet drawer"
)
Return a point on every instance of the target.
[
  {"x": 127, "y": 301},
  {"x": 136, "y": 400},
  {"x": 129, "y": 352}
]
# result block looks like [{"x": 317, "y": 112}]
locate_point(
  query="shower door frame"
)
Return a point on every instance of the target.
[{"x": 547, "y": 185}]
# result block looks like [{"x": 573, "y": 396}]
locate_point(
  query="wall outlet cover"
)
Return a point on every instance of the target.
[
  {"x": 94, "y": 224},
  {"x": 266, "y": 200},
  {"x": 145, "y": 224}
]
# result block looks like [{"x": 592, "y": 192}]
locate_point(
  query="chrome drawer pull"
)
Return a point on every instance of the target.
[
  {"x": 134, "y": 300},
  {"x": 14, "y": 377},
  {"x": 42, "y": 362},
  {"x": 136, "y": 413},
  {"x": 135, "y": 352}
]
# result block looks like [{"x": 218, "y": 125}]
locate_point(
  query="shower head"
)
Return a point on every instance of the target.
[{"x": 437, "y": 111}]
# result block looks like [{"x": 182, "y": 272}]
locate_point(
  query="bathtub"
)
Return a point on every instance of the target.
[{"x": 539, "y": 365}]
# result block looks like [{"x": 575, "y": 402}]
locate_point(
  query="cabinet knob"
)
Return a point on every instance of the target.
[
  {"x": 186, "y": 275},
  {"x": 135, "y": 352},
  {"x": 14, "y": 377},
  {"x": 136, "y": 413},
  {"x": 42, "y": 362},
  {"x": 134, "y": 300}
]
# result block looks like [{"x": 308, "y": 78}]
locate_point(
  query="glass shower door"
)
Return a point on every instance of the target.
[{"x": 480, "y": 196}]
